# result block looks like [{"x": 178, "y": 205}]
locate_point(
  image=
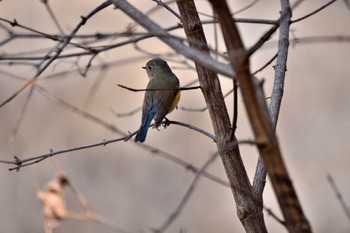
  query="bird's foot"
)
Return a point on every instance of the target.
[{"x": 166, "y": 122}]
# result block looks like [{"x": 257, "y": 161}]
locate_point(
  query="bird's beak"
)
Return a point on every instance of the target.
[{"x": 144, "y": 67}]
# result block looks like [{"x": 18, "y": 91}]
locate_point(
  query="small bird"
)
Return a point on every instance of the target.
[{"x": 161, "y": 98}]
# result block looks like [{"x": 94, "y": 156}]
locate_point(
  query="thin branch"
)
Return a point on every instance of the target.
[
  {"x": 39, "y": 158},
  {"x": 230, "y": 91},
  {"x": 52, "y": 15},
  {"x": 246, "y": 7},
  {"x": 160, "y": 3},
  {"x": 159, "y": 89},
  {"x": 314, "y": 12},
  {"x": 186, "y": 197},
  {"x": 271, "y": 31},
  {"x": 339, "y": 196},
  {"x": 274, "y": 216},
  {"x": 235, "y": 108},
  {"x": 199, "y": 130},
  {"x": 321, "y": 39},
  {"x": 184, "y": 164},
  {"x": 265, "y": 65},
  {"x": 20, "y": 116},
  {"x": 34, "y": 34},
  {"x": 126, "y": 114},
  {"x": 192, "y": 186},
  {"x": 99, "y": 49},
  {"x": 76, "y": 110},
  {"x": 59, "y": 49}
]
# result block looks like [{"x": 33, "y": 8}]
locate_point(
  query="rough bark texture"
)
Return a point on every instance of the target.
[
  {"x": 248, "y": 210},
  {"x": 263, "y": 130}
]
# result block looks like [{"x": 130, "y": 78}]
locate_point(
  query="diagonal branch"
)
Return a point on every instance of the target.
[
  {"x": 193, "y": 54},
  {"x": 58, "y": 50},
  {"x": 262, "y": 128}
]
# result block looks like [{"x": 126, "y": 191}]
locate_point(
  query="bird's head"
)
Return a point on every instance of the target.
[{"x": 156, "y": 66}]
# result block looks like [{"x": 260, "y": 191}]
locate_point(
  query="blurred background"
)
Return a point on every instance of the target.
[{"x": 134, "y": 188}]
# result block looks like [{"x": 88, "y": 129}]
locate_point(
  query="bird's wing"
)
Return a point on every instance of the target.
[{"x": 163, "y": 102}]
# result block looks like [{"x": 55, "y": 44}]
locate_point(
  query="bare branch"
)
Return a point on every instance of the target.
[
  {"x": 193, "y": 128},
  {"x": 200, "y": 57},
  {"x": 160, "y": 3},
  {"x": 52, "y": 15},
  {"x": 187, "y": 195},
  {"x": 157, "y": 89},
  {"x": 39, "y": 158},
  {"x": 191, "y": 188},
  {"x": 58, "y": 51},
  {"x": 314, "y": 12},
  {"x": 126, "y": 114},
  {"x": 339, "y": 196}
]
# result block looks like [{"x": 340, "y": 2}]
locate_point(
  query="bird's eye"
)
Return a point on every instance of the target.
[{"x": 149, "y": 67}]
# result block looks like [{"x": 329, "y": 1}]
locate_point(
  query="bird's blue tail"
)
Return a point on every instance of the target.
[{"x": 146, "y": 121}]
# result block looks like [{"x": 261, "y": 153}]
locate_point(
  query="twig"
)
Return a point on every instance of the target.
[
  {"x": 35, "y": 34},
  {"x": 76, "y": 110},
  {"x": 59, "y": 49},
  {"x": 192, "y": 186},
  {"x": 272, "y": 30},
  {"x": 246, "y": 7},
  {"x": 126, "y": 114},
  {"x": 186, "y": 197},
  {"x": 39, "y": 158},
  {"x": 235, "y": 108},
  {"x": 274, "y": 216},
  {"x": 266, "y": 65},
  {"x": 339, "y": 196},
  {"x": 199, "y": 130},
  {"x": 159, "y": 89},
  {"x": 52, "y": 15},
  {"x": 314, "y": 12},
  {"x": 160, "y": 3},
  {"x": 20, "y": 116}
]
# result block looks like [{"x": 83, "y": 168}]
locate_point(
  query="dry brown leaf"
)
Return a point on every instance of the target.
[{"x": 52, "y": 198}]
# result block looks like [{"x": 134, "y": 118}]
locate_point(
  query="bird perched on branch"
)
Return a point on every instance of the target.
[{"x": 161, "y": 97}]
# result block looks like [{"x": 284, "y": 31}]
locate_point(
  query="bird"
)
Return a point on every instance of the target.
[{"x": 161, "y": 97}]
